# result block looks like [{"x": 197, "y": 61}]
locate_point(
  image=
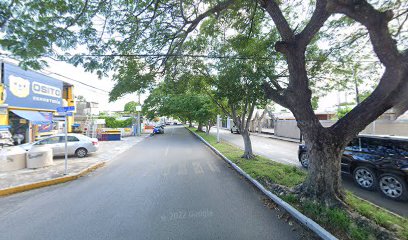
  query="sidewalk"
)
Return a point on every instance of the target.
[
  {"x": 269, "y": 133},
  {"x": 107, "y": 151}
]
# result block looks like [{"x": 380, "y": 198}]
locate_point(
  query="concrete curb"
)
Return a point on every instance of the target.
[
  {"x": 46, "y": 183},
  {"x": 309, "y": 223}
]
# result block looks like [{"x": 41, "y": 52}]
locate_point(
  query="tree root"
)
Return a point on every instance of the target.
[{"x": 248, "y": 156}]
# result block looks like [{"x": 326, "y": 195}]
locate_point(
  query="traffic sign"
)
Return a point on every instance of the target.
[
  {"x": 64, "y": 114},
  {"x": 66, "y": 109}
]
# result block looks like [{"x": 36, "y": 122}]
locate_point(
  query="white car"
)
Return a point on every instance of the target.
[
  {"x": 78, "y": 144},
  {"x": 234, "y": 129}
]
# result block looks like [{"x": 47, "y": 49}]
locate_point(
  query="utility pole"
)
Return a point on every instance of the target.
[
  {"x": 66, "y": 145},
  {"x": 218, "y": 128},
  {"x": 138, "y": 118}
]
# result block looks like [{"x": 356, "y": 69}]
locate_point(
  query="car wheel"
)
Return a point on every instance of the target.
[
  {"x": 81, "y": 152},
  {"x": 304, "y": 159},
  {"x": 232, "y": 131},
  {"x": 393, "y": 186},
  {"x": 365, "y": 178}
]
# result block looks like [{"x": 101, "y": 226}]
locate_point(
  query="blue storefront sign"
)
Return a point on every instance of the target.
[{"x": 28, "y": 89}]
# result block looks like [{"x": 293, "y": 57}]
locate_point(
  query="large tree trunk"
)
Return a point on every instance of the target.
[
  {"x": 190, "y": 123},
  {"x": 247, "y": 145},
  {"x": 324, "y": 181},
  {"x": 208, "y": 128},
  {"x": 200, "y": 127}
]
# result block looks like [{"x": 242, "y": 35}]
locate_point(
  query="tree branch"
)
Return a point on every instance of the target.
[
  {"x": 319, "y": 17},
  {"x": 275, "y": 95},
  {"x": 376, "y": 23},
  {"x": 280, "y": 21}
]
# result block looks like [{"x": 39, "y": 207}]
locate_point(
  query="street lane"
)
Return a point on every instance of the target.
[
  {"x": 286, "y": 152},
  {"x": 169, "y": 186}
]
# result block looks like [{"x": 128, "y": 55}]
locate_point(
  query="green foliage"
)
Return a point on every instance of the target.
[
  {"x": 33, "y": 29},
  {"x": 130, "y": 107},
  {"x": 179, "y": 101},
  {"x": 131, "y": 77},
  {"x": 381, "y": 217},
  {"x": 342, "y": 111},
  {"x": 315, "y": 102},
  {"x": 112, "y": 122},
  {"x": 261, "y": 168}
]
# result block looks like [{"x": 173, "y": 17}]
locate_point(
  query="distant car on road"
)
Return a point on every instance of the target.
[
  {"x": 375, "y": 162},
  {"x": 234, "y": 129},
  {"x": 175, "y": 123},
  {"x": 78, "y": 144}
]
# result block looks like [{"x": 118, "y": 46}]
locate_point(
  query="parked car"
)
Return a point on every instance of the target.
[
  {"x": 158, "y": 129},
  {"x": 375, "y": 162},
  {"x": 234, "y": 129},
  {"x": 78, "y": 144},
  {"x": 175, "y": 123}
]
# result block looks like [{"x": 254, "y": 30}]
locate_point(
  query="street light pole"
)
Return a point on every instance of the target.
[
  {"x": 218, "y": 128},
  {"x": 138, "y": 120},
  {"x": 66, "y": 146}
]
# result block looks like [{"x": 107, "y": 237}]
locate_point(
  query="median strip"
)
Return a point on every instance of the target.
[{"x": 342, "y": 223}]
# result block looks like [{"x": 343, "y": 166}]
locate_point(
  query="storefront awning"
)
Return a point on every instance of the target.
[{"x": 34, "y": 117}]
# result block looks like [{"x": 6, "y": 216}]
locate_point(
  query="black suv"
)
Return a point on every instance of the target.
[{"x": 375, "y": 162}]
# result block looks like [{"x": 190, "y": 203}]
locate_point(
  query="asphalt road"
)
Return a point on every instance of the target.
[
  {"x": 286, "y": 152},
  {"x": 168, "y": 186}
]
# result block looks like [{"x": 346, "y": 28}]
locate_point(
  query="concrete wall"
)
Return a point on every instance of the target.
[
  {"x": 387, "y": 127},
  {"x": 289, "y": 129}
]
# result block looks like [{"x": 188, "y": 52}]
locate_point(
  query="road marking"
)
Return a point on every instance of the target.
[
  {"x": 197, "y": 168},
  {"x": 166, "y": 170},
  {"x": 166, "y": 151},
  {"x": 182, "y": 168},
  {"x": 213, "y": 167}
]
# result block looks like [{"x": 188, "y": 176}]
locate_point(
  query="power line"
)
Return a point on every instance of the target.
[
  {"x": 128, "y": 98},
  {"x": 49, "y": 72}
]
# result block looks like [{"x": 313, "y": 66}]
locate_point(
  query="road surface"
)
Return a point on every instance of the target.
[
  {"x": 168, "y": 186},
  {"x": 286, "y": 152}
]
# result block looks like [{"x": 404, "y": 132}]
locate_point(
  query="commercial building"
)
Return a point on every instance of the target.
[{"x": 28, "y": 103}]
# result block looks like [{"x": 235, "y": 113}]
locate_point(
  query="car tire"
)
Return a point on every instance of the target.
[
  {"x": 393, "y": 186},
  {"x": 365, "y": 178},
  {"x": 304, "y": 159},
  {"x": 232, "y": 131},
  {"x": 81, "y": 152}
]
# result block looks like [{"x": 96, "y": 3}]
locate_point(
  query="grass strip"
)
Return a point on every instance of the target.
[{"x": 335, "y": 220}]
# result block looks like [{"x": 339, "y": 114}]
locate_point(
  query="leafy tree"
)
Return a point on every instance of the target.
[
  {"x": 185, "y": 106},
  {"x": 130, "y": 107},
  {"x": 342, "y": 111},
  {"x": 112, "y": 122}
]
